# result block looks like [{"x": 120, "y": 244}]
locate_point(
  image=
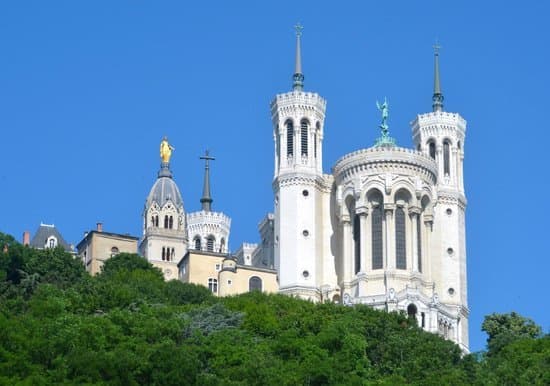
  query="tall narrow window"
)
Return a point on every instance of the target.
[
  {"x": 197, "y": 243},
  {"x": 254, "y": 284},
  {"x": 213, "y": 285},
  {"x": 163, "y": 253},
  {"x": 171, "y": 222},
  {"x": 304, "y": 132},
  {"x": 316, "y": 137},
  {"x": 165, "y": 221},
  {"x": 289, "y": 138},
  {"x": 157, "y": 221},
  {"x": 357, "y": 242},
  {"x": 432, "y": 149},
  {"x": 400, "y": 239},
  {"x": 446, "y": 158},
  {"x": 210, "y": 244},
  {"x": 419, "y": 242},
  {"x": 377, "y": 248},
  {"x": 222, "y": 245}
]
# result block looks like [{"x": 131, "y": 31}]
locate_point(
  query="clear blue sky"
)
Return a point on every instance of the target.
[{"x": 88, "y": 89}]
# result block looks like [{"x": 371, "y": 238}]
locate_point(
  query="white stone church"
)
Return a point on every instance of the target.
[{"x": 385, "y": 228}]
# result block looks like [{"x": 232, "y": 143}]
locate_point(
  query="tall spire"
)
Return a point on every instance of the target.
[
  {"x": 438, "y": 96},
  {"x": 206, "y": 199},
  {"x": 298, "y": 77}
]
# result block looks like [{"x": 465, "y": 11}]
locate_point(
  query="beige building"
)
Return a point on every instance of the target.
[
  {"x": 98, "y": 246},
  {"x": 223, "y": 275}
]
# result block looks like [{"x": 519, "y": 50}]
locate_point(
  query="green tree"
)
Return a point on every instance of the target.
[{"x": 503, "y": 329}]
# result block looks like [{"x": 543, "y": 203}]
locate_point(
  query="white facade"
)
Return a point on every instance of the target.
[{"x": 385, "y": 228}]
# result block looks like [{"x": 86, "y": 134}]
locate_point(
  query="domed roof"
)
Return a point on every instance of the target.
[{"x": 165, "y": 189}]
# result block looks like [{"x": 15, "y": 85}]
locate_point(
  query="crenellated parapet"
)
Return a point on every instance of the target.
[{"x": 208, "y": 231}]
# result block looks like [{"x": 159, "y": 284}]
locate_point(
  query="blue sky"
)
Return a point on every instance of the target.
[{"x": 88, "y": 89}]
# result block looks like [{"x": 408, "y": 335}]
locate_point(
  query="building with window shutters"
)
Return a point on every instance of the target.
[{"x": 386, "y": 227}]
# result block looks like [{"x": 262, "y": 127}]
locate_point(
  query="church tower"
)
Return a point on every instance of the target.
[
  {"x": 299, "y": 186},
  {"x": 164, "y": 240},
  {"x": 440, "y": 135},
  {"x": 208, "y": 230}
]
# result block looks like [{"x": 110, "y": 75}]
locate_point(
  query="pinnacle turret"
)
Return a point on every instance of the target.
[
  {"x": 206, "y": 199},
  {"x": 298, "y": 77},
  {"x": 438, "y": 96}
]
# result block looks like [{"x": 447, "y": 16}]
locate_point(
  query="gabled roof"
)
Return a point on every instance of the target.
[{"x": 44, "y": 232}]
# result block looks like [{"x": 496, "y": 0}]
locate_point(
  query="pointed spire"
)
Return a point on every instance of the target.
[
  {"x": 206, "y": 199},
  {"x": 438, "y": 96},
  {"x": 298, "y": 77}
]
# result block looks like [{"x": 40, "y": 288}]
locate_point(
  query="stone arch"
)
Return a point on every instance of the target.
[{"x": 403, "y": 190}]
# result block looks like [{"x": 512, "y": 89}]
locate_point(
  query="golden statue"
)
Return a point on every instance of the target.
[{"x": 165, "y": 150}]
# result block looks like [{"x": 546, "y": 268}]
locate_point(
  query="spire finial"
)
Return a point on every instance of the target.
[
  {"x": 298, "y": 77},
  {"x": 206, "y": 199},
  {"x": 438, "y": 96}
]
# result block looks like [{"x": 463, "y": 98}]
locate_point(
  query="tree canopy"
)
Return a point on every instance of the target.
[{"x": 127, "y": 326}]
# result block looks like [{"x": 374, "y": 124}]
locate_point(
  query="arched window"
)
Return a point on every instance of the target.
[
  {"x": 377, "y": 231},
  {"x": 446, "y": 158},
  {"x": 431, "y": 148},
  {"x": 210, "y": 243},
  {"x": 157, "y": 220},
  {"x": 213, "y": 285},
  {"x": 52, "y": 242},
  {"x": 289, "y": 138},
  {"x": 114, "y": 251},
  {"x": 152, "y": 221},
  {"x": 357, "y": 242},
  {"x": 254, "y": 284},
  {"x": 304, "y": 132},
  {"x": 222, "y": 245},
  {"x": 197, "y": 243},
  {"x": 400, "y": 239},
  {"x": 412, "y": 310},
  {"x": 165, "y": 221}
]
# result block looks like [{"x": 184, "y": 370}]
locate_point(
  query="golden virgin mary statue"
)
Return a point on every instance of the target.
[{"x": 165, "y": 150}]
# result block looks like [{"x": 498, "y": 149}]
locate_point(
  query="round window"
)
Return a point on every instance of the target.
[
  {"x": 449, "y": 211},
  {"x": 305, "y": 233},
  {"x": 305, "y": 274},
  {"x": 451, "y": 291},
  {"x": 450, "y": 251},
  {"x": 305, "y": 192}
]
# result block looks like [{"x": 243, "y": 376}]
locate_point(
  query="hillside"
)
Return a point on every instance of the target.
[{"x": 127, "y": 326}]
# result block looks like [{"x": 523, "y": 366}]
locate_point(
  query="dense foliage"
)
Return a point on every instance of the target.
[{"x": 126, "y": 326}]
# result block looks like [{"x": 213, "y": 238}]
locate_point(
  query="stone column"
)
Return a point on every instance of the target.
[
  {"x": 439, "y": 160},
  {"x": 346, "y": 248},
  {"x": 414, "y": 213},
  {"x": 427, "y": 255},
  {"x": 363, "y": 211},
  {"x": 454, "y": 165},
  {"x": 389, "y": 237}
]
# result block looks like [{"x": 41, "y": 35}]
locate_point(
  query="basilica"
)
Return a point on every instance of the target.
[{"x": 385, "y": 227}]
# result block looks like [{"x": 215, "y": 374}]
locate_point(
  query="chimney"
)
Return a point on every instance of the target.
[
  {"x": 99, "y": 227},
  {"x": 26, "y": 238}
]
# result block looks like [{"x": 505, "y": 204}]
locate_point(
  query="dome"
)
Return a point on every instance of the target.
[{"x": 165, "y": 189}]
